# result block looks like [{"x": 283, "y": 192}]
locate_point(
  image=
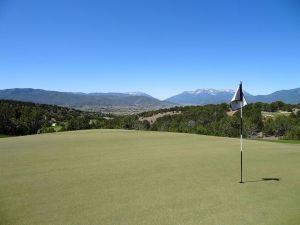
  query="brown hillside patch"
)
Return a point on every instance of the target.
[{"x": 152, "y": 119}]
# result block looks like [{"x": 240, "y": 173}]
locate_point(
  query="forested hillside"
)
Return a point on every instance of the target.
[
  {"x": 260, "y": 120},
  {"x": 23, "y": 118}
]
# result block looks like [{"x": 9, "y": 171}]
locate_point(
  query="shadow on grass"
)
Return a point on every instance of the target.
[{"x": 264, "y": 179}]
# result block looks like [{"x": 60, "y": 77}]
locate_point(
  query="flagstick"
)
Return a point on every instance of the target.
[
  {"x": 241, "y": 141},
  {"x": 237, "y": 99}
]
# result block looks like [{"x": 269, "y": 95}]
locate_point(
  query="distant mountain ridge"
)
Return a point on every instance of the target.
[
  {"x": 202, "y": 97},
  {"x": 291, "y": 96},
  {"x": 213, "y": 96},
  {"x": 82, "y": 99},
  {"x": 140, "y": 99},
  {"x": 125, "y": 94}
]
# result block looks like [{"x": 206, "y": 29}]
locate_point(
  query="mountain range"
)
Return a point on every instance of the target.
[
  {"x": 140, "y": 99},
  {"x": 202, "y": 97},
  {"x": 213, "y": 96},
  {"x": 78, "y": 99}
]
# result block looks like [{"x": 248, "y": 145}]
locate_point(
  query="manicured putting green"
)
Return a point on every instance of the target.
[{"x": 115, "y": 177}]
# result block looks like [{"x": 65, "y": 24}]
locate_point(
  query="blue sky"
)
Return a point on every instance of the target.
[{"x": 161, "y": 47}]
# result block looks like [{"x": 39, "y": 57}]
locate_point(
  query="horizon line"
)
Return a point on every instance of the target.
[{"x": 128, "y": 92}]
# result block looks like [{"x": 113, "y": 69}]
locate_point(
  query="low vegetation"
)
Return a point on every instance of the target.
[{"x": 275, "y": 120}]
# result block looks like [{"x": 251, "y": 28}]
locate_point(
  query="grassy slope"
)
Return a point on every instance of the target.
[{"x": 129, "y": 177}]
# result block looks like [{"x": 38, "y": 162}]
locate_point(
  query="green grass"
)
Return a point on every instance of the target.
[
  {"x": 114, "y": 177},
  {"x": 279, "y": 141},
  {"x": 3, "y": 136}
]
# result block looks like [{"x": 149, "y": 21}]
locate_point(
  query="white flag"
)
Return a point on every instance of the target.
[{"x": 238, "y": 101}]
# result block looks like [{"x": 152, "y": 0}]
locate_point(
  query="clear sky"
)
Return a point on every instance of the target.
[{"x": 161, "y": 47}]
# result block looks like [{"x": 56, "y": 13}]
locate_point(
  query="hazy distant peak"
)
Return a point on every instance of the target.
[
  {"x": 138, "y": 93},
  {"x": 203, "y": 96},
  {"x": 209, "y": 91}
]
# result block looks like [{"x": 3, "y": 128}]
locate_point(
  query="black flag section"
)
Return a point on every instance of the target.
[{"x": 238, "y": 101}]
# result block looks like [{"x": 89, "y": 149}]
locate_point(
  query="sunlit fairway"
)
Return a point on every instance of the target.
[{"x": 115, "y": 177}]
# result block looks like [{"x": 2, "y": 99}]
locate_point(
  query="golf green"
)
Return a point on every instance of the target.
[{"x": 116, "y": 177}]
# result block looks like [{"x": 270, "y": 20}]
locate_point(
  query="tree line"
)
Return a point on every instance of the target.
[{"x": 21, "y": 118}]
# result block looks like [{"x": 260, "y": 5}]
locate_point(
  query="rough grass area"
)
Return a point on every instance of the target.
[
  {"x": 116, "y": 177},
  {"x": 279, "y": 141}
]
